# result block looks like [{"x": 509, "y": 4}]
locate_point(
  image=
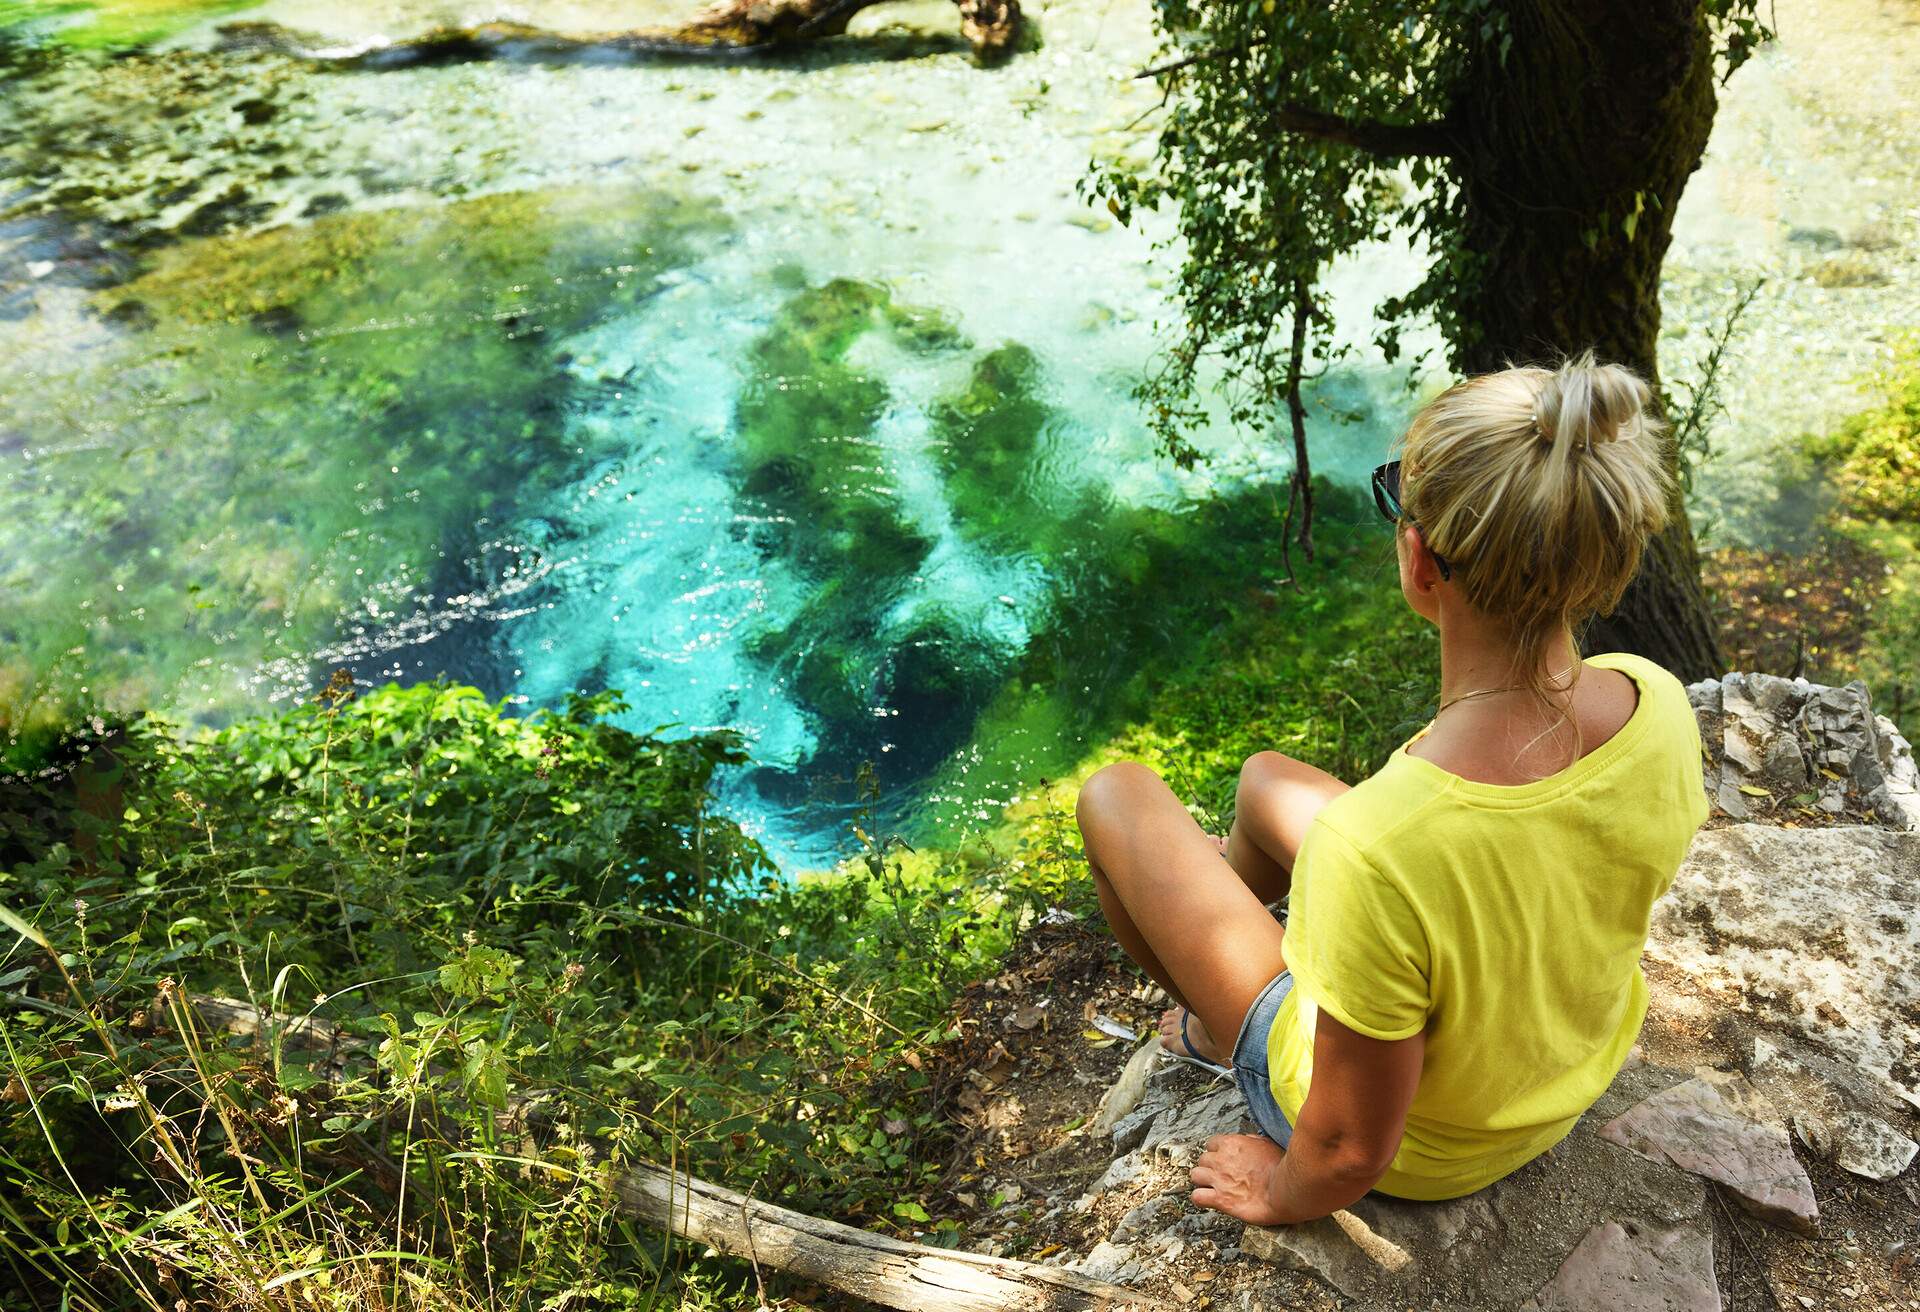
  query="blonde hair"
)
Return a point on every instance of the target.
[{"x": 1540, "y": 487}]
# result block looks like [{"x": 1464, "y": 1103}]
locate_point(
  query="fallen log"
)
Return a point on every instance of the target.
[
  {"x": 725, "y": 28},
  {"x": 890, "y": 1272}
]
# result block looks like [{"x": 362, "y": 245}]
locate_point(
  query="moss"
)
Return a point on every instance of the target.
[
  {"x": 116, "y": 24},
  {"x": 307, "y": 423}
]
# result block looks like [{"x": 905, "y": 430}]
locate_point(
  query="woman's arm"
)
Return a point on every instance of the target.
[{"x": 1348, "y": 1133}]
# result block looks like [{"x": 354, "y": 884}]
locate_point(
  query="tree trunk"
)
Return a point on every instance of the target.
[{"x": 1574, "y": 150}]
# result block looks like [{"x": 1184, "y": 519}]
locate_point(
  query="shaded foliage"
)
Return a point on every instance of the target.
[{"x": 533, "y": 938}]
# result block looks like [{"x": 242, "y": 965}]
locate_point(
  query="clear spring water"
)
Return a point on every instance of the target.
[{"x": 790, "y": 397}]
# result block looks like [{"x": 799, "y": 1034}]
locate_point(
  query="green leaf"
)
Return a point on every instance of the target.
[
  {"x": 481, "y": 972},
  {"x": 486, "y": 1072},
  {"x": 22, "y": 928},
  {"x": 911, "y": 1211},
  {"x": 296, "y": 1078}
]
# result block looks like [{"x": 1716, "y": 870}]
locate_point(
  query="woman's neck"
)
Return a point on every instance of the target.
[{"x": 1475, "y": 656}]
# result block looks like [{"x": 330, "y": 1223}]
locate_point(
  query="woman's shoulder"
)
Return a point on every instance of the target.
[
  {"x": 1649, "y": 674},
  {"x": 1663, "y": 697},
  {"x": 1372, "y": 810}
]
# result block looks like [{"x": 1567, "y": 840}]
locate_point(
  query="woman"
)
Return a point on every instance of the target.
[{"x": 1459, "y": 977}]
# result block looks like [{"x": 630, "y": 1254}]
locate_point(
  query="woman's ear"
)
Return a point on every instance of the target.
[{"x": 1423, "y": 571}]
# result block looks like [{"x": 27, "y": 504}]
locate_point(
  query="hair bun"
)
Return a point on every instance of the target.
[{"x": 1583, "y": 404}]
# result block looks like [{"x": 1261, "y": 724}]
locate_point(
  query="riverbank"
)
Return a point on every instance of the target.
[{"x": 465, "y": 357}]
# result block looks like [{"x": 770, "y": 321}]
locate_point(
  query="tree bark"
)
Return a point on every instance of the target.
[{"x": 1573, "y": 151}]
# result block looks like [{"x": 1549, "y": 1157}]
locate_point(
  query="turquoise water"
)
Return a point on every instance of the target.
[{"x": 793, "y": 399}]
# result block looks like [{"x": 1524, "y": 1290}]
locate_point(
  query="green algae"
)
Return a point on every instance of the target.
[
  {"x": 157, "y": 145},
  {"x": 305, "y": 442},
  {"x": 114, "y": 24},
  {"x": 825, "y": 488},
  {"x": 989, "y": 442},
  {"x": 561, "y": 257}
]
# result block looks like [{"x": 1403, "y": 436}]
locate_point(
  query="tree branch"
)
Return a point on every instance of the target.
[{"x": 1395, "y": 140}]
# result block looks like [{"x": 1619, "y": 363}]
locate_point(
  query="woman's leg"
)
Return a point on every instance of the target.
[
  {"x": 1274, "y": 806},
  {"x": 1176, "y": 907},
  {"x": 1277, "y": 800}
]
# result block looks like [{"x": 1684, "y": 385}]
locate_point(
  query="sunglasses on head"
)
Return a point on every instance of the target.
[{"x": 1386, "y": 498}]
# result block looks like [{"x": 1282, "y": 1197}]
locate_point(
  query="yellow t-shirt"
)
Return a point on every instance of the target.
[{"x": 1505, "y": 921}]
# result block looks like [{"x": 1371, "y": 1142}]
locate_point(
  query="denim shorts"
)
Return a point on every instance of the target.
[{"x": 1250, "y": 1060}]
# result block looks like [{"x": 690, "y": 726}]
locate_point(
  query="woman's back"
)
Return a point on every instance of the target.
[
  {"x": 1516, "y": 744},
  {"x": 1506, "y": 921}
]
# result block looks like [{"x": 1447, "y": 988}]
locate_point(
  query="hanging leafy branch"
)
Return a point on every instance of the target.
[{"x": 1293, "y": 132}]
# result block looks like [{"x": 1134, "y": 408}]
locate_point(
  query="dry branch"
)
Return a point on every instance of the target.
[{"x": 890, "y": 1272}]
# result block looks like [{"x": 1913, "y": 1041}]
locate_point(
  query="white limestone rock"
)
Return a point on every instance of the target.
[
  {"x": 1812, "y": 930},
  {"x": 1128, "y": 1089},
  {"x": 1792, "y": 737},
  {"x": 1833, "y": 1110}
]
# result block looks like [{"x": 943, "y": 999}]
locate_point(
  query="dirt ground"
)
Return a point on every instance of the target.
[{"x": 1024, "y": 1082}]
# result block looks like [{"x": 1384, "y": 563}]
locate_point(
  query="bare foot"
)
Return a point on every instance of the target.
[{"x": 1196, "y": 1034}]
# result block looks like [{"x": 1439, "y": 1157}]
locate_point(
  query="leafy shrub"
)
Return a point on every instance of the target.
[
  {"x": 507, "y": 956},
  {"x": 1874, "y": 456},
  {"x": 1871, "y": 463}
]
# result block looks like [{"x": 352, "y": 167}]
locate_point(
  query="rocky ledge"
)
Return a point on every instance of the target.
[
  {"x": 1797, "y": 751},
  {"x": 1783, "y": 1046}
]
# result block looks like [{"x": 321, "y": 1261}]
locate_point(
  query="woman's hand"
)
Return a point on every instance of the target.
[{"x": 1237, "y": 1174}]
